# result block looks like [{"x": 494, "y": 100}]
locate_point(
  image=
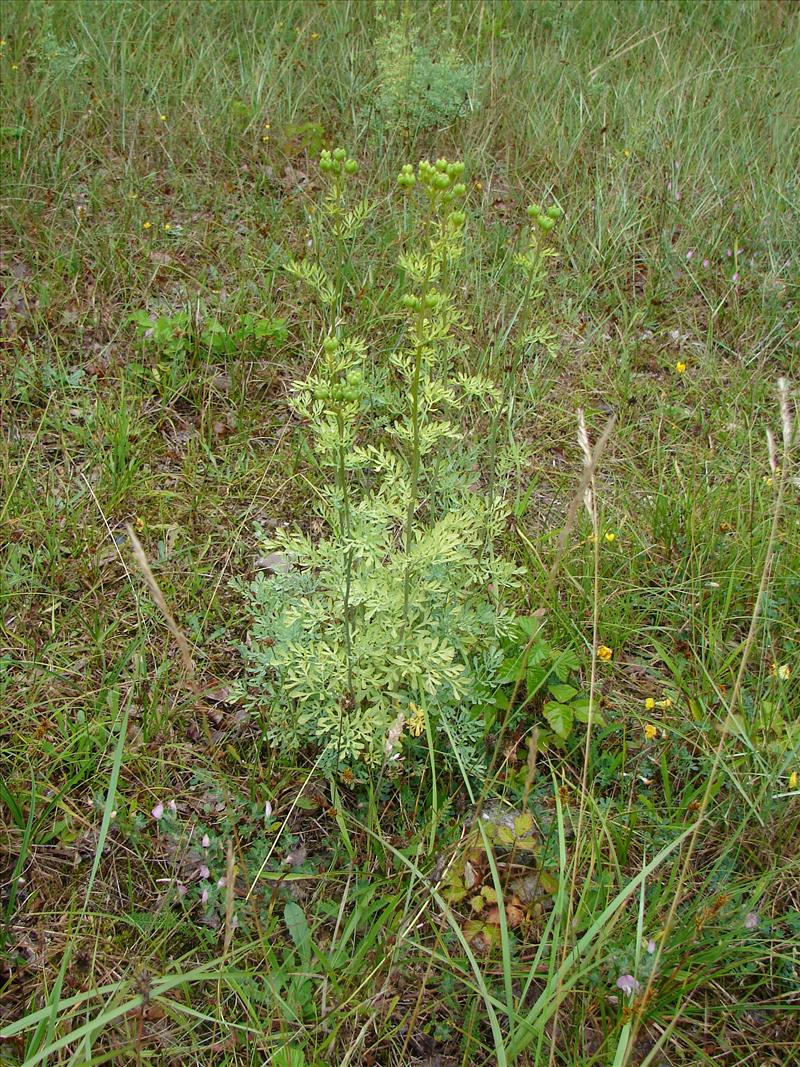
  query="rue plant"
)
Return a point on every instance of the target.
[{"x": 386, "y": 633}]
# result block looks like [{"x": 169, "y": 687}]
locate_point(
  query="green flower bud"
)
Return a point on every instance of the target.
[
  {"x": 351, "y": 166},
  {"x": 533, "y": 211},
  {"x": 555, "y": 212},
  {"x": 460, "y": 189},
  {"x": 456, "y": 169},
  {"x": 441, "y": 166},
  {"x": 545, "y": 222},
  {"x": 330, "y": 344},
  {"x": 431, "y": 300},
  {"x": 320, "y": 392},
  {"x": 440, "y": 180},
  {"x": 457, "y": 219},
  {"x": 350, "y": 394},
  {"x": 339, "y": 154}
]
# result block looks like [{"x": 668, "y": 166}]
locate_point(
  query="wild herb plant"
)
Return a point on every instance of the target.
[
  {"x": 420, "y": 89},
  {"x": 391, "y": 623}
]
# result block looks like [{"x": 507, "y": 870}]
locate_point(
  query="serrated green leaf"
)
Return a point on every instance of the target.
[
  {"x": 559, "y": 717},
  {"x": 562, "y": 693},
  {"x": 566, "y": 663}
]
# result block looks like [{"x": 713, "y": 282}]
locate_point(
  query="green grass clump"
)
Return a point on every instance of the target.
[{"x": 369, "y": 419}]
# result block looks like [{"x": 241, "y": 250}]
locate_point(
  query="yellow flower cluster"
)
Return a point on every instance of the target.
[
  {"x": 781, "y": 670},
  {"x": 416, "y": 724}
]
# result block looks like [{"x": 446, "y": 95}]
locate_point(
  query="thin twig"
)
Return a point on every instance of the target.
[{"x": 161, "y": 604}]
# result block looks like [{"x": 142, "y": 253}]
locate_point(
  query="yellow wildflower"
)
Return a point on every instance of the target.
[
  {"x": 605, "y": 653},
  {"x": 793, "y": 780},
  {"x": 680, "y": 366},
  {"x": 167, "y": 226},
  {"x": 649, "y": 704},
  {"x": 163, "y": 118},
  {"x": 650, "y": 731},
  {"x": 665, "y": 703},
  {"x": 147, "y": 225},
  {"x": 626, "y": 152},
  {"x": 611, "y": 537},
  {"x": 314, "y": 36},
  {"x": 416, "y": 724},
  {"x": 782, "y": 671}
]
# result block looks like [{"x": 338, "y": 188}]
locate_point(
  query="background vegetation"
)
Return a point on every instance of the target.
[{"x": 172, "y": 889}]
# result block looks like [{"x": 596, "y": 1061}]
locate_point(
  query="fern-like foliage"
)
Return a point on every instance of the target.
[
  {"x": 380, "y": 636},
  {"x": 420, "y": 90}
]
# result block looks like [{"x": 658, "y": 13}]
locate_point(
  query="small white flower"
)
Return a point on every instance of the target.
[
  {"x": 158, "y": 812},
  {"x": 628, "y": 984},
  {"x": 267, "y": 810},
  {"x": 206, "y": 842},
  {"x": 751, "y": 920}
]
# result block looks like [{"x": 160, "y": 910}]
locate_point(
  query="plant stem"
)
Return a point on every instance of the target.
[
  {"x": 415, "y": 451},
  {"x": 344, "y": 521}
]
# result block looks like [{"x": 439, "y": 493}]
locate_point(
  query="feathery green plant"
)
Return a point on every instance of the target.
[
  {"x": 420, "y": 90},
  {"x": 392, "y": 623}
]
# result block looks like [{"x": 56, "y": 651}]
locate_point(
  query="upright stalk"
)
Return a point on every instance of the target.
[
  {"x": 344, "y": 524},
  {"x": 415, "y": 451}
]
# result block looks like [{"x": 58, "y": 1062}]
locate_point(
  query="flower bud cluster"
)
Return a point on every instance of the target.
[
  {"x": 337, "y": 161},
  {"x": 344, "y": 387},
  {"x": 544, "y": 219},
  {"x": 431, "y": 301}
]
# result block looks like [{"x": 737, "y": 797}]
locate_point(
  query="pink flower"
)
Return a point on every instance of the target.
[
  {"x": 158, "y": 812},
  {"x": 267, "y": 810},
  {"x": 690, "y": 253},
  {"x": 203, "y": 872},
  {"x": 735, "y": 277},
  {"x": 173, "y": 808},
  {"x": 182, "y": 889},
  {"x": 751, "y": 920},
  {"x": 204, "y": 897},
  {"x": 221, "y": 882},
  {"x": 206, "y": 842},
  {"x": 651, "y": 946},
  {"x": 706, "y": 263},
  {"x": 729, "y": 252},
  {"x": 628, "y": 984}
]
